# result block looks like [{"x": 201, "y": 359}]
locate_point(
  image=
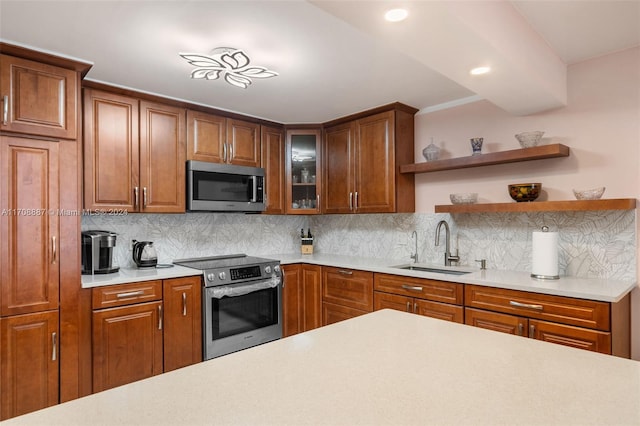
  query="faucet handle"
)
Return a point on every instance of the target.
[{"x": 483, "y": 263}]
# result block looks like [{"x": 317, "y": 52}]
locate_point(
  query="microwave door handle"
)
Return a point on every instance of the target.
[{"x": 254, "y": 189}]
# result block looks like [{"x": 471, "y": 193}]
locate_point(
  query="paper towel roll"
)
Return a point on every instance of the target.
[{"x": 544, "y": 255}]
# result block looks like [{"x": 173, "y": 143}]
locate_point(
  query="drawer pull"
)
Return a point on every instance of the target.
[
  {"x": 54, "y": 345},
  {"x": 532, "y": 331},
  {"x": 5, "y": 109},
  {"x": 408, "y": 306},
  {"x": 525, "y": 305},
  {"x": 159, "y": 317},
  {"x": 415, "y": 308},
  {"x": 130, "y": 294},
  {"x": 343, "y": 272},
  {"x": 520, "y": 329},
  {"x": 184, "y": 304},
  {"x": 412, "y": 287}
]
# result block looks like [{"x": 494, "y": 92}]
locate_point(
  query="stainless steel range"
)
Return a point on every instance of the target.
[{"x": 241, "y": 302}]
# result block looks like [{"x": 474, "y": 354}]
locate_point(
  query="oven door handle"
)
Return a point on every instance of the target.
[{"x": 240, "y": 290}]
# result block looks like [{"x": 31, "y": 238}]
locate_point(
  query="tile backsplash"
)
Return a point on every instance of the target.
[{"x": 592, "y": 244}]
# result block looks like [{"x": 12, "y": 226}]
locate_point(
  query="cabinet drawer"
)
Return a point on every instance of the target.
[
  {"x": 565, "y": 310},
  {"x": 348, "y": 287},
  {"x": 335, "y": 313},
  {"x": 590, "y": 340},
  {"x": 438, "y": 291},
  {"x": 126, "y": 294}
]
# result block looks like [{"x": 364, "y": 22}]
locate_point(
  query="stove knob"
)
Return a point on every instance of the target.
[
  {"x": 267, "y": 269},
  {"x": 211, "y": 276},
  {"x": 276, "y": 268},
  {"x": 222, "y": 275}
]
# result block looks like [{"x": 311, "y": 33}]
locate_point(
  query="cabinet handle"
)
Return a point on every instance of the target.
[
  {"x": 351, "y": 201},
  {"x": 135, "y": 197},
  {"x": 408, "y": 306},
  {"x": 5, "y": 109},
  {"x": 415, "y": 308},
  {"x": 130, "y": 294},
  {"x": 411, "y": 287},
  {"x": 144, "y": 197},
  {"x": 159, "y": 317},
  {"x": 318, "y": 203},
  {"x": 343, "y": 272},
  {"x": 54, "y": 344},
  {"x": 520, "y": 329},
  {"x": 230, "y": 153},
  {"x": 532, "y": 331},
  {"x": 356, "y": 201},
  {"x": 54, "y": 250},
  {"x": 224, "y": 153},
  {"x": 525, "y": 305},
  {"x": 184, "y": 304}
]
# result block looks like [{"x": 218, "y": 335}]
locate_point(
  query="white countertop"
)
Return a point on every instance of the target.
[
  {"x": 603, "y": 290},
  {"x": 383, "y": 368}
]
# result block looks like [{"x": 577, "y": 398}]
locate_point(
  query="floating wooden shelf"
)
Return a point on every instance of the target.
[
  {"x": 540, "y": 206},
  {"x": 503, "y": 157}
]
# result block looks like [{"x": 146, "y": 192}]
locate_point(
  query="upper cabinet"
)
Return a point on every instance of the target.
[
  {"x": 362, "y": 158},
  {"x": 273, "y": 153},
  {"x": 134, "y": 154},
  {"x": 218, "y": 139},
  {"x": 37, "y": 98},
  {"x": 303, "y": 175}
]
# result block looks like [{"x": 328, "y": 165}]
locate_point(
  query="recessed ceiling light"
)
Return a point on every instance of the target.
[
  {"x": 396, "y": 15},
  {"x": 480, "y": 70}
]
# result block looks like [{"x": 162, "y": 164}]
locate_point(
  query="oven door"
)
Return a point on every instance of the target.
[{"x": 242, "y": 315}]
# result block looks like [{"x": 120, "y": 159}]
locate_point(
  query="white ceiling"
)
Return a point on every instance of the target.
[{"x": 334, "y": 58}]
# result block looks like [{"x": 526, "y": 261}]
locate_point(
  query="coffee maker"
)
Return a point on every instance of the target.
[{"x": 97, "y": 252}]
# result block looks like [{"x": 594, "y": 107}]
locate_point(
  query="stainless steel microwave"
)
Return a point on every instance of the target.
[{"x": 224, "y": 187}]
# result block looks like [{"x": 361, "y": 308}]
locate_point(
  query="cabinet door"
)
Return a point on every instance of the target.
[
  {"x": 392, "y": 301},
  {"x": 311, "y": 296},
  {"x": 243, "y": 143},
  {"x": 162, "y": 158},
  {"x": 291, "y": 300},
  {"x": 29, "y": 363},
  {"x": 576, "y": 337},
  {"x": 348, "y": 287},
  {"x": 302, "y": 298},
  {"x": 332, "y": 313},
  {"x": 38, "y": 99},
  {"x": 303, "y": 171},
  {"x": 273, "y": 147},
  {"x": 182, "y": 322},
  {"x": 339, "y": 164},
  {"x": 442, "y": 311},
  {"x": 375, "y": 164},
  {"x": 127, "y": 344},
  {"x": 503, "y": 323},
  {"x": 111, "y": 151},
  {"x": 206, "y": 136},
  {"x": 29, "y": 243}
]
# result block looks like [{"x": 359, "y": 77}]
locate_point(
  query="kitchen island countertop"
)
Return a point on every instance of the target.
[{"x": 383, "y": 368}]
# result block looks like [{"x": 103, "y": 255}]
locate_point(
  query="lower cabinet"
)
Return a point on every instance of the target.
[
  {"x": 138, "y": 333},
  {"x": 302, "y": 298},
  {"x": 29, "y": 363},
  {"x": 346, "y": 293}
]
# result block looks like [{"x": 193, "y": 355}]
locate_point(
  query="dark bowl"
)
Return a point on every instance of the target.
[{"x": 525, "y": 191}]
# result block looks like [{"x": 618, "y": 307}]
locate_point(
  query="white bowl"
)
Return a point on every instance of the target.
[
  {"x": 589, "y": 194},
  {"x": 464, "y": 198},
  {"x": 529, "y": 139}
]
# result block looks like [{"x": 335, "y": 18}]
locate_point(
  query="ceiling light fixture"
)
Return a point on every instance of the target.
[
  {"x": 396, "y": 15},
  {"x": 480, "y": 70},
  {"x": 227, "y": 62}
]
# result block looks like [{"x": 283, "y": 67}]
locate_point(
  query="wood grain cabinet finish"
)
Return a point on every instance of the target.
[
  {"x": 302, "y": 298},
  {"x": 134, "y": 154},
  {"x": 29, "y": 368},
  {"x": 361, "y": 167},
  {"x": 183, "y": 322},
  {"x": 345, "y": 288},
  {"x": 436, "y": 299},
  {"x": 220, "y": 139},
  {"x": 126, "y": 294},
  {"x": 30, "y": 243},
  {"x": 37, "y": 98},
  {"x": 272, "y": 160}
]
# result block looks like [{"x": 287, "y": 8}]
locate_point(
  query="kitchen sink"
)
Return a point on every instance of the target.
[{"x": 434, "y": 270}]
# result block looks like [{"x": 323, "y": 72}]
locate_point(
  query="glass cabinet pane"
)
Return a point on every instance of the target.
[{"x": 303, "y": 169}]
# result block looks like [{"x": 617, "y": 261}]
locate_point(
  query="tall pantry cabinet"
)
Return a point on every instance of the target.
[{"x": 39, "y": 230}]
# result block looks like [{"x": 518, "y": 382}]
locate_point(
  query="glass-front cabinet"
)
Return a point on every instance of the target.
[{"x": 303, "y": 180}]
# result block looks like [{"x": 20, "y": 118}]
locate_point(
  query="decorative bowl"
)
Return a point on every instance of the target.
[
  {"x": 589, "y": 194},
  {"x": 529, "y": 139},
  {"x": 525, "y": 191},
  {"x": 464, "y": 198}
]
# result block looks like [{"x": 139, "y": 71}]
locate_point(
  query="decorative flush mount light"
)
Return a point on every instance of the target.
[
  {"x": 480, "y": 70},
  {"x": 396, "y": 15},
  {"x": 230, "y": 63}
]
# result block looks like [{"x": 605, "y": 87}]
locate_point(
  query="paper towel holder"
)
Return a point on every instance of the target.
[{"x": 545, "y": 277}]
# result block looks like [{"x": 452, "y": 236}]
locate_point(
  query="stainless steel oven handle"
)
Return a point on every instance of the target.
[{"x": 241, "y": 289}]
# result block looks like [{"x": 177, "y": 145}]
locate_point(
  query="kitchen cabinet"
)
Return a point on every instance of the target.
[
  {"x": 436, "y": 299},
  {"x": 29, "y": 367},
  {"x": 220, "y": 139},
  {"x": 362, "y": 158},
  {"x": 183, "y": 322},
  {"x": 134, "y": 154},
  {"x": 38, "y": 98},
  {"x": 303, "y": 173},
  {"x": 302, "y": 298},
  {"x": 346, "y": 293},
  {"x": 273, "y": 161},
  {"x": 592, "y": 325}
]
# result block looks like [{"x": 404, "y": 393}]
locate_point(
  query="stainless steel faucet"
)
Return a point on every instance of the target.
[
  {"x": 448, "y": 257},
  {"x": 414, "y": 256}
]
